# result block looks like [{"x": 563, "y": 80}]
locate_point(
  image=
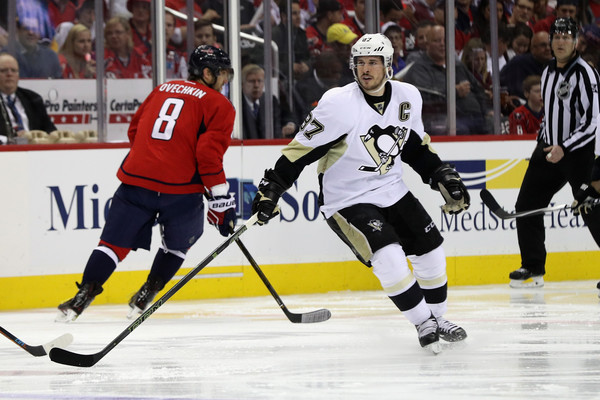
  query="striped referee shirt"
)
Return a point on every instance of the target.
[{"x": 571, "y": 106}]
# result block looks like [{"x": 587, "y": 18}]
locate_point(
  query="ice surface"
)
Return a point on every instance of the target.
[{"x": 522, "y": 344}]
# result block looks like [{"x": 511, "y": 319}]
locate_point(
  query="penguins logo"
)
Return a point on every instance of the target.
[
  {"x": 563, "y": 90},
  {"x": 383, "y": 145}
]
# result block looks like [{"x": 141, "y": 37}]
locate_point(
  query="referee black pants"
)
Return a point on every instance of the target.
[{"x": 541, "y": 182}]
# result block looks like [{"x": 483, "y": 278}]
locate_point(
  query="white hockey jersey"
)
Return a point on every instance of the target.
[{"x": 358, "y": 144}]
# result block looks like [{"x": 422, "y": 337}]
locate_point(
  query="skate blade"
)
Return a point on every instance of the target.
[
  {"x": 70, "y": 316},
  {"x": 435, "y": 347},
  {"x": 134, "y": 312},
  {"x": 535, "y": 282}
]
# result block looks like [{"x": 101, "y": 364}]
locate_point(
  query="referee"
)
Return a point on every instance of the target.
[{"x": 565, "y": 148}]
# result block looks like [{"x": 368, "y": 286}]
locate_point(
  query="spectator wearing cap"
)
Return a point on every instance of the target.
[
  {"x": 340, "y": 38},
  {"x": 329, "y": 12},
  {"x": 356, "y": 22},
  {"x": 396, "y": 35},
  {"x": 36, "y": 59},
  {"x": 564, "y": 9},
  {"x": 141, "y": 30}
]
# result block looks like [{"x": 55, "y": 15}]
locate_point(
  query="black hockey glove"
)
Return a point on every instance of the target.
[
  {"x": 583, "y": 199},
  {"x": 270, "y": 189},
  {"x": 446, "y": 180}
]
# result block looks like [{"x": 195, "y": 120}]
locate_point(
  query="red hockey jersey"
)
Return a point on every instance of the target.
[
  {"x": 523, "y": 121},
  {"x": 178, "y": 138}
]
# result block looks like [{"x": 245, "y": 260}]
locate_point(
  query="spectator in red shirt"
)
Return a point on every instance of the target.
[
  {"x": 564, "y": 9},
  {"x": 61, "y": 11},
  {"x": 527, "y": 118},
  {"x": 357, "y": 22},
  {"x": 75, "y": 54},
  {"x": 141, "y": 32},
  {"x": 121, "y": 59},
  {"x": 328, "y": 13}
]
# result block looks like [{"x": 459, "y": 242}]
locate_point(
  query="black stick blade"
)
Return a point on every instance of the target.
[
  {"x": 67, "y": 357},
  {"x": 316, "y": 316},
  {"x": 489, "y": 200}
]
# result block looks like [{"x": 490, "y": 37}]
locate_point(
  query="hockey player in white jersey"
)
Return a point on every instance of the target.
[{"x": 360, "y": 134}]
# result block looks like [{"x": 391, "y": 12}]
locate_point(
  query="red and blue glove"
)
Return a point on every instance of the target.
[{"x": 221, "y": 213}]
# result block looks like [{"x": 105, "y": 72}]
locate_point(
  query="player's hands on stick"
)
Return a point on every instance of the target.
[
  {"x": 583, "y": 198},
  {"x": 221, "y": 213},
  {"x": 270, "y": 189},
  {"x": 447, "y": 181}
]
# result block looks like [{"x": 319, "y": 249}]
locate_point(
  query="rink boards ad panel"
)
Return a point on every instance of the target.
[{"x": 55, "y": 203}]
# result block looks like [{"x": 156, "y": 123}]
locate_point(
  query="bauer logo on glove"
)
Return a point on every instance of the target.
[{"x": 221, "y": 213}]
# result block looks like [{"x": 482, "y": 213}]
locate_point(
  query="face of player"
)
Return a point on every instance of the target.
[
  {"x": 9, "y": 74},
  {"x": 563, "y": 47},
  {"x": 370, "y": 72},
  {"x": 83, "y": 43}
]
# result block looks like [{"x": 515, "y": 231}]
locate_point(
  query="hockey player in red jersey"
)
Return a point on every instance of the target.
[
  {"x": 361, "y": 151},
  {"x": 178, "y": 138}
]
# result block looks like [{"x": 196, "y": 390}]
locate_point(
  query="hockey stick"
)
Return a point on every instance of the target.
[
  {"x": 66, "y": 357},
  {"x": 41, "y": 350},
  {"x": 495, "y": 208},
  {"x": 304, "y": 318}
]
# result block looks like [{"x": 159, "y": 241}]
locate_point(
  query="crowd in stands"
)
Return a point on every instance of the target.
[{"x": 62, "y": 34}]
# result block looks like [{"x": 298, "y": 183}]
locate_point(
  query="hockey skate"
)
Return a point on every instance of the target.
[
  {"x": 450, "y": 332},
  {"x": 143, "y": 298},
  {"x": 429, "y": 336},
  {"x": 598, "y": 287},
  {"x": 523, "y": 278},
  {"x": 71, "y": 309}
]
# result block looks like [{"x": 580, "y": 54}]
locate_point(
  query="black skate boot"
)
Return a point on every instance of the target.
[
  {"x": 523, "y": 278},
  {"x": 598, "y": 287},
  {"x": 143, "y": 298},
  {"x": 71, "y": 309},
  {"x": 450, "y": 332},
  {"x": 429, "y": 336}
]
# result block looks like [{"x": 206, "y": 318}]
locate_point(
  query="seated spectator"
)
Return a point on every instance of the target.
[
  {"x": 461, "y": 37},
  {"x": 326, "y": 73},
  {"x": 328, "y": 13},
  {"x": 204, "y": 33},
  {"x": 36, "y": 60},
  {"x": 423, "y": 10},
  {"x": 396, "y": 36},
  {"x": 527, "y": 118},
  {"x": 257, "y": 22},
  {"x": 391, "y": 11},
  {"x": 504, "y": 37},
  {"x": 481, "y": 17},
  {"x": 474, "y": 57},
  {"x": 76, "y": 54},
  {"x": 176, "y": 59},
  {"x": 522, "y": 12},
  {"x": 428, "y": 74},
  {"x": 533, "y": 63},
  {"x": 520, "y": 41},
  {"x": 588, "y": 44},
  {"x": 300, "y": 58},
  {"x": 61, "y": 11},
  {"x": 141, "y": 31},
  {"x": 541, "y": 10},
  {"x": 253, "y": 107},
  {"x": 420, "y": 40},
  {"x": 340, "y": 38},
  {"x": 121, "y": 59},
  {"x": 85, "y": 15},
  {"x": 356, "y": 22},
  {"x": 34, "y": 14},
  {"x": 564, "y": 9},
  {"x": 22, "y": 109}
]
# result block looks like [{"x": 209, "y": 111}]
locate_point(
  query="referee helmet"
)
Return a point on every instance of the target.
[{"x": 565, "y": 26}]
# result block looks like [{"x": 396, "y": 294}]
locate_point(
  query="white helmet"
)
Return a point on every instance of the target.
[{"x": 373, "y": 44}]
